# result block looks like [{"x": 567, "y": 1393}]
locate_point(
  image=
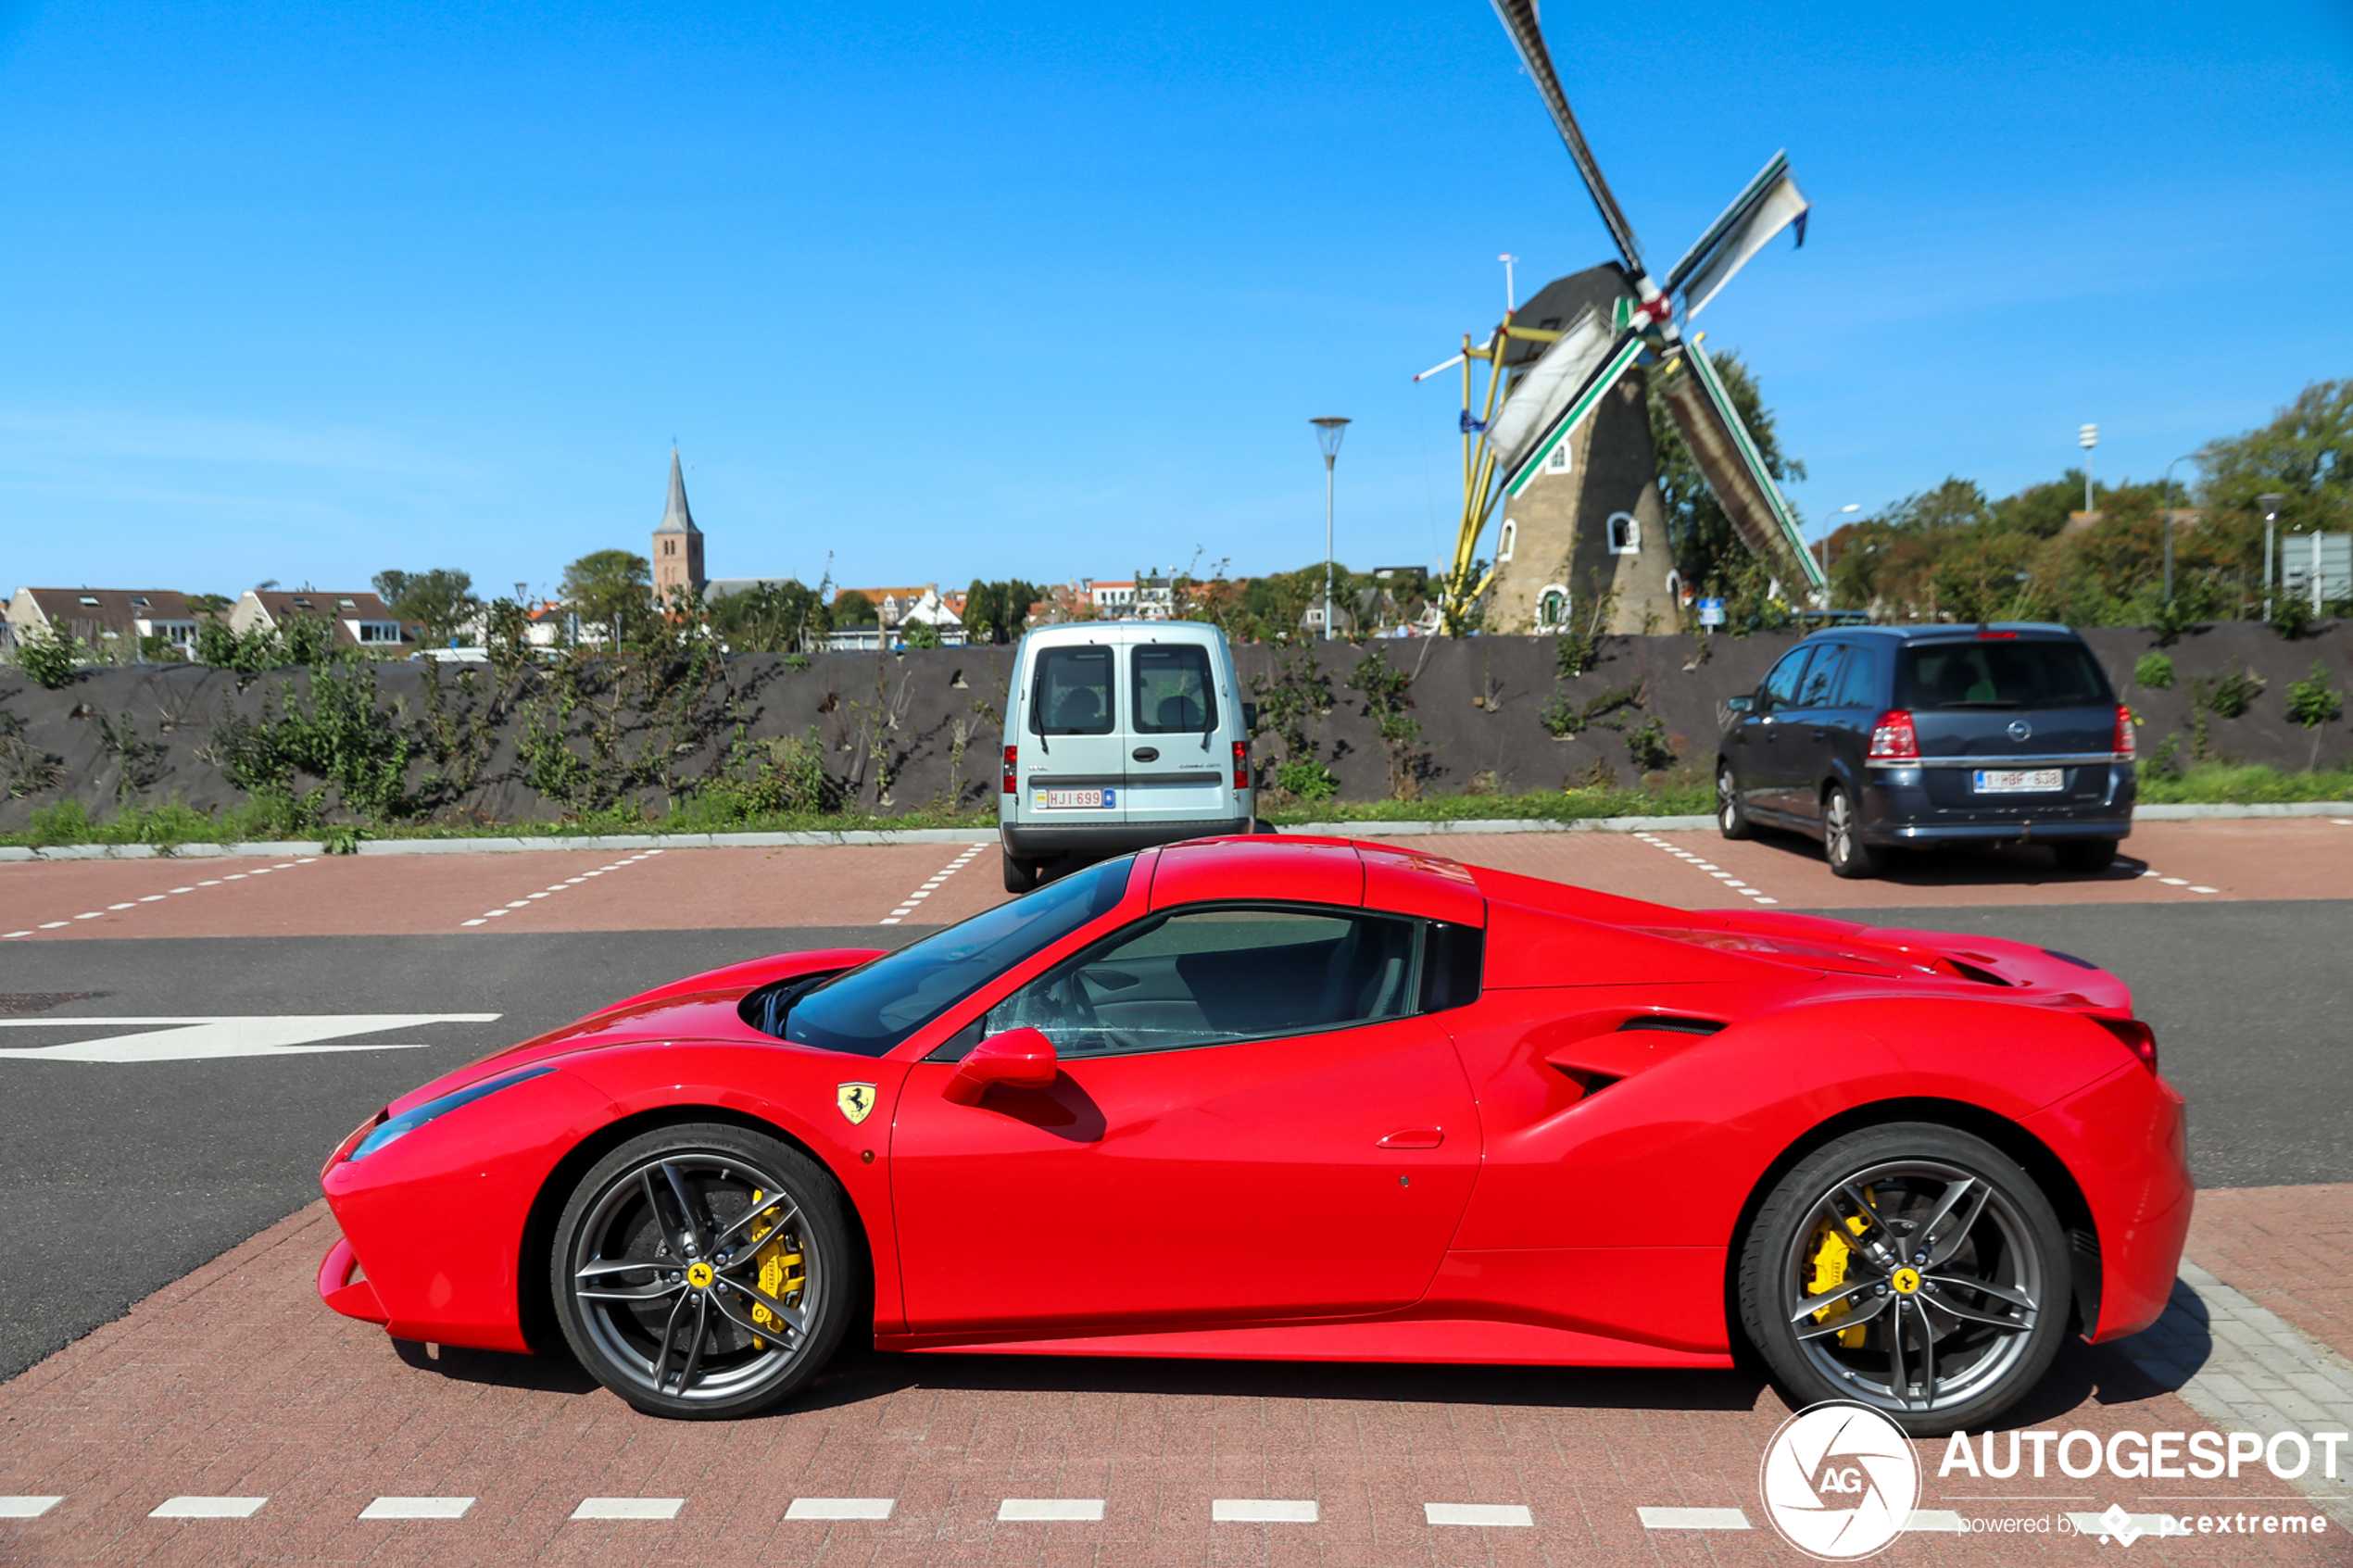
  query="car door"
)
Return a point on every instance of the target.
[
  {"x": 1174, "y": 710},
  {"x": 1765, "y": 767},
  {"x": 1805, "y": 731},
  {"x": 1856, "y": 701},
  {"x": 1074, "y": 724},
  {"x": 1250, "y": 1122}
]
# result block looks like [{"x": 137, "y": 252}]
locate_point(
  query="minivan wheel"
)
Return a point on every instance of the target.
[
  {"x": 2085, "y": 853},
  {"x": 1020, "y": 876},
  {"x": 1842, "y": 836},
  {"x": 1732, "y": 820}
]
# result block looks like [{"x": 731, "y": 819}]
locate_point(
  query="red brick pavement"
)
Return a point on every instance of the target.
[
  {"x": 2287, "y": 1249},
  {"x": 234, "y": 1381}
]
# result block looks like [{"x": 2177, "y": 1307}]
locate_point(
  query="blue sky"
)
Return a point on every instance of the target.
[{"x": 304, "y": 292}]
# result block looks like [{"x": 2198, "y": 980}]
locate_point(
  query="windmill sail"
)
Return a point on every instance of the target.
[
  {"x": 1720, "y": 444},
  {"x": 1586, "y": 396},
  {"x": 1770, "y": 203},
  {"x": 1541, "y": 392},
  {"x": 1518, "y": 17}
]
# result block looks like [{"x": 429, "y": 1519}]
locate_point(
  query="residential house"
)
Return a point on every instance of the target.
[
  {"x": 362, "y": 620},
  {"x": 899, "y": 608},
  {"x": 110, "y": 621}
]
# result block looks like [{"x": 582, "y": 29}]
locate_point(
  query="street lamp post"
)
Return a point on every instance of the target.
[
  {"x": 2269, "y": 501},
  {"x": 1328, "y": 430},
  {"x": 2088, "y": 439},
  {"x": 1851, "y": 507},
  {"x": 2167, "y": 493}
]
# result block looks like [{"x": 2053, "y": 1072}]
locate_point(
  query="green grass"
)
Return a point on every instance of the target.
[
  {"x": 2248, "y": 785},
  {"x": 1677, "y": 799}
]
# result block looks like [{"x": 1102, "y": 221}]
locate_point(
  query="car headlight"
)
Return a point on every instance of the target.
[{"x": 400, "y": 1126}]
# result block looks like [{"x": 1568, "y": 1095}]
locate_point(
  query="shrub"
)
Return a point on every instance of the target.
[
  {"x": 2154, "y": 671},
  {"x": 2313, "y": 702},
  {"x": 1307, "y": 779},
  {"x": 1649, "y": 746},
  {"x": 47, "y": 658}
]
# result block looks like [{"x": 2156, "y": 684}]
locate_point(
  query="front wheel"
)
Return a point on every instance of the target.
[
  {"x": 1913, "y": 1268},
  {"x": 1842, "y": 836},
  {"x": 1020, "y": 876},
  {"x": 1731, "y": 818},
  {"x": 704, "y": 1270}
]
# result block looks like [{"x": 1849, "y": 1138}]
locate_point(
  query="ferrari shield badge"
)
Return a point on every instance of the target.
[{"x": 855, "y": 1100}]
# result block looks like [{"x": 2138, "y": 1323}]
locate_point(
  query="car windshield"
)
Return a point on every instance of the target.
[
  {"x": 873, "y": 1008},
  {"x": 1999, "y": 674}
]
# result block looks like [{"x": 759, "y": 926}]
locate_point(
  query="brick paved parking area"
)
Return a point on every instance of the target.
[{"x": 231, "y": 1419}]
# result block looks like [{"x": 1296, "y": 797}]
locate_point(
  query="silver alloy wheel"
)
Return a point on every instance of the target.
[
  {"x": 1838, "y": 820},
  {"x": 1728, "y": 800},
  {"x": 1938, "y": 1285},
  {"x": 694, "y": 1276}
]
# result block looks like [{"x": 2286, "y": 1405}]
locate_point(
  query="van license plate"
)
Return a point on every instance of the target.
[
  {"x": 2019, "y": 781},
  {"x": 1080, "y": 799}
]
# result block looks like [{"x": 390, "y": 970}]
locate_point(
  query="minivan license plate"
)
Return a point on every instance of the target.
[
  {"x": 2019, "y": 781},
  {"x": 1065, "y": 799}
]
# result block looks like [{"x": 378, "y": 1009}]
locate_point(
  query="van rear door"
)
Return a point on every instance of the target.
[
  {"x": 1176, "y": 708},
  {"x": 1074, "y": 729}
]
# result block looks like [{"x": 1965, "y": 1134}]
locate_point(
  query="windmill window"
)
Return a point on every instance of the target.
[
  {"x": 1508, "y": 542},
  {"x": 1552, "y": 608},
  {"x": 1624, "y": 535},
  {"x": 1556, "y": 461}
]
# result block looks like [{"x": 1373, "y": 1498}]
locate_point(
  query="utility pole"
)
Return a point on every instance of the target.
[
  {"x": 1328, "y": 430},
  {"x": 2087, "y": 438},
  {"x": 2269, "y": 502},
  {"x": 1510, "y": 296},
  {"x": 2167, "y": 494}
]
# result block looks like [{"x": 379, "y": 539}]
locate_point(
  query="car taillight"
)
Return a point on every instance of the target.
[
  {"x": 1012, "y": 755},
  {"x": 1893, "y": 739},
  {"x": 2125, "y": 745},
  {"x": 2138, "y": 1038},
  {"x": 1241, "y": 764}
]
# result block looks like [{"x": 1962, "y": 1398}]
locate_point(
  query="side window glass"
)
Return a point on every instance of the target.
[
  {"x": 1071, "y": 692},
  {"x": 1781, "y": 685},
  {"x": 1212, "y": 976},
  {"x": 1822, "y": 678},
  {"x": 1858, "y": 688},
  {"x": 1173, "y": 694}
]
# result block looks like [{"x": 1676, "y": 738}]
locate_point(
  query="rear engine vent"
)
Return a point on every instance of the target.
[
  {"x": 1667, "y": 1025},
  {"x": 1970, "y": 972},
  {"x": 2070, "y": 958}
]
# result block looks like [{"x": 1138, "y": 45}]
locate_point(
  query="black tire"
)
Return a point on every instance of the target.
[
  {"x": 1926, "y": 1191},
  {"x": 690, "y": 1347},
  {"x": 1843, "y": 843},
  {"x": 1731, "y": 816},
  {"x": 2085, "y": 853},
  {"x": 1020, "y": 876}
]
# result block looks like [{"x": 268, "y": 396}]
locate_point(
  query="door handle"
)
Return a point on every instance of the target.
[
  {"x": 1415, "y": 1137},
  {"x": 1145, "y": 754}
]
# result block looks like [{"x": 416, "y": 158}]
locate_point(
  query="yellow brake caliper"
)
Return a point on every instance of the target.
[
  {"x": 781, "y": 1278},
  {"x": 1830, "y": 1273}
]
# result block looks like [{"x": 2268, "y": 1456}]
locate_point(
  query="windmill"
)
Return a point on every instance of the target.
[{"x": 1561, "y": 433}]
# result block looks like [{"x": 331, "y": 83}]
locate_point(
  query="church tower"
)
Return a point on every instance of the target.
[{"x": 677, "y": 543}]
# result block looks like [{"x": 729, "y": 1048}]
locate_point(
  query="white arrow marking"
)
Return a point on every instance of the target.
[{"x": 198, "y": 1040}]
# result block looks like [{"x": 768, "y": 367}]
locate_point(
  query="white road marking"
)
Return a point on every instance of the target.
[
  {"x": 1943, "y": 1519},
  {"x": 1050, "y": 1508},
  {"x": 525, "y": 902},
  {"x": 149, "y": 898},
  {"x": 629, "y": 1508},
  {"x": 417, "y": 1507},
  {"x": 27, "y": 1508},
  {"x": 914, "y": 901},
  {"x": 1264, "y": 1511},
  {"x": 841, "y": 1507},
  {"x": 1493, "y": 1516},
  {"x": 1744, "y": 889},
  {"x": 207, "y": 1508},
  {"x": 203, "y": 1039},
  {"x": 1693, "y": 1519}
]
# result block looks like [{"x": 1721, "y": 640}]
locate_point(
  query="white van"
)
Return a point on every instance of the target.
[{"x": 1119, "y": 734}]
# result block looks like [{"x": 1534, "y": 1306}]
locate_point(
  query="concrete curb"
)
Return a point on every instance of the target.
[{"x": 9, "y": 852}]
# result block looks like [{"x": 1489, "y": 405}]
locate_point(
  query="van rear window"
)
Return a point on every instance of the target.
[
  {"x": 1070, "y": 694},
  {"x": 1999, "y": 674},
  {"x": 1173, "y": 691}
]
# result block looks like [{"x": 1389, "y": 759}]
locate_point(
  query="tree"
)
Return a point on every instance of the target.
[
  {"x": 209, "y": 604},
  {"x": 2312, "y": 703},
  {"x": 854, "y": 608},
  {"x": 443, "y": 599},
  {"x": 1706, "y": 545},
  {"x": 997, "y": 612},
  {"x": 771, "y": 618},
  {"x": 611, "y": 586}
]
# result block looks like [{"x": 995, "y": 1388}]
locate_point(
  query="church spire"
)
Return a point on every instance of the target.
[{"x": 675, "y": 517}]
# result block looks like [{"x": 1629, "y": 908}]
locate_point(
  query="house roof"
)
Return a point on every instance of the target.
[
  {"x": 675, "y": 517},
  {"x": 113, "y": 607},
  {"x": 283, "y": 602}
]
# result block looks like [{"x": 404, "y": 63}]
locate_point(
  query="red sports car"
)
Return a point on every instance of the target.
[{"x": 1303, "y": 1100}]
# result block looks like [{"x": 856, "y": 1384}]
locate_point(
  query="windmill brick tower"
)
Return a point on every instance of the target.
[{"x": 677, "y": 554}]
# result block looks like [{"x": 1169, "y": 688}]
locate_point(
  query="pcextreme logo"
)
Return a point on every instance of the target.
[{"x": 1840, "y": 1481}]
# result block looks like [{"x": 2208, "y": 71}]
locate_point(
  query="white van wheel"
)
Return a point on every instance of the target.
[{"x": 1020, "y": 876}]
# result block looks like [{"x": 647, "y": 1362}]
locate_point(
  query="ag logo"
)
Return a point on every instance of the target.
[
  {"x": 1840, "y": 1481},
  {"x": 855, "y": 1100}
]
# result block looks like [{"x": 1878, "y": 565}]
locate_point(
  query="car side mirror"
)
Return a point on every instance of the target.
[
  {"x": 1741, "y": 704},
  {"x": 1022, "y": 1058}
]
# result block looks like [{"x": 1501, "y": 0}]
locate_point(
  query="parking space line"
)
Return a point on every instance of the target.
[
  {"x": 571, "y": 882},
  {"x": 841, "y": 1507},
  {"x": 417, "y": 1507},
  {"x": 155, "y": 898},
  {"x": 914, "y": 901},
  {"x": 1089, "y": 1509},
  {"x": 1693, "y": 1519},
  {"x": 1726, "y": 878},
  {"x": 628, "y": 1507},
  {"x": 1490, "y": 1515},
  {"x": 207, "y": 1508},
  {"x": 27, "y": 1508},
  {"x": 1264, "y": 1511}
]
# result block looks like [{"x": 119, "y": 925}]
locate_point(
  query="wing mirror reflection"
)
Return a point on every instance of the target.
[
  {"x": 1741, "y": 704},
  {"x": 1022, "y": 1058}
]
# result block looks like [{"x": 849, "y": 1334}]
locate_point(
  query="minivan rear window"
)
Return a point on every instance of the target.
[
  {"x": 1999, "y": 674},
  {"x": 1071, "y": 692},
  {"x": 1173, "y": 691}
]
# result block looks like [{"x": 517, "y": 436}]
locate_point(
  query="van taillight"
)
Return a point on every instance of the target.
[
  {"x": 1241, "y": 764},
  {"x": 2125, "y": 745},
  {"x": 1893, "y": 739},
  {"x": 1012, "y": 755},
  {"x": 2138, "y": 1038}
]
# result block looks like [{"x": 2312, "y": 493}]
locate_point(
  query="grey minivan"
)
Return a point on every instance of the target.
[{"x": 1868, "y": 737}]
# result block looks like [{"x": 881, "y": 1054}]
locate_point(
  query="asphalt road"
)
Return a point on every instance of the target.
[{"x": 120, "y": 1177}]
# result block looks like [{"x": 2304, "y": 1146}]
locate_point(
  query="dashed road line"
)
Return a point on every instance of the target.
[
  {"x": 1264, "y": 1511},
  {"x": 207, "y": 1508},
  {"x": 417, "y": 1507},
  {"x": 841, "y": 1507},
  {"x": 1084, "y": 1509},
  {"x": 2149, "y": 871},
  {"x": 914, "y": 901},
  {"x": 529, "y": 899},
  {"x": 27, "y": 1508},
  {"x": 1693, "y": 1519},
  {"x": 1726, "y": 878},
  {"x": 156, "y": 897},
  {"x": 628, "y": 1507},
  {"x": 1509, "y": 1516}
]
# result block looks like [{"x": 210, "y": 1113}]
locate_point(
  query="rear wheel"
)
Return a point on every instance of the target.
[
  {"x": 1731, "y": 818},
  {"x": 704, "y": 1270},
  {"x": 1842, "y": 836},
  {"x": 1020, "y": 876},
  {"x": 2085, "y": 853},
  {"x": 1913, "y": 1268}
]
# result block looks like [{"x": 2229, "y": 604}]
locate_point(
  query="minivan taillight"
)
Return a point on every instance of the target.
[
  {"x": 1893, "y": 739},
  {"x": 2138, "y": 1038},
  {"x": 1241, "y": 764},
  {"x": 1012, "y": 755},
  {"x": 2125, "y": 745}
]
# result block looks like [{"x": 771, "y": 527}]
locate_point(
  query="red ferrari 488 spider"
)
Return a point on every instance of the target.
[{"x": 1303, "y": 1100}]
